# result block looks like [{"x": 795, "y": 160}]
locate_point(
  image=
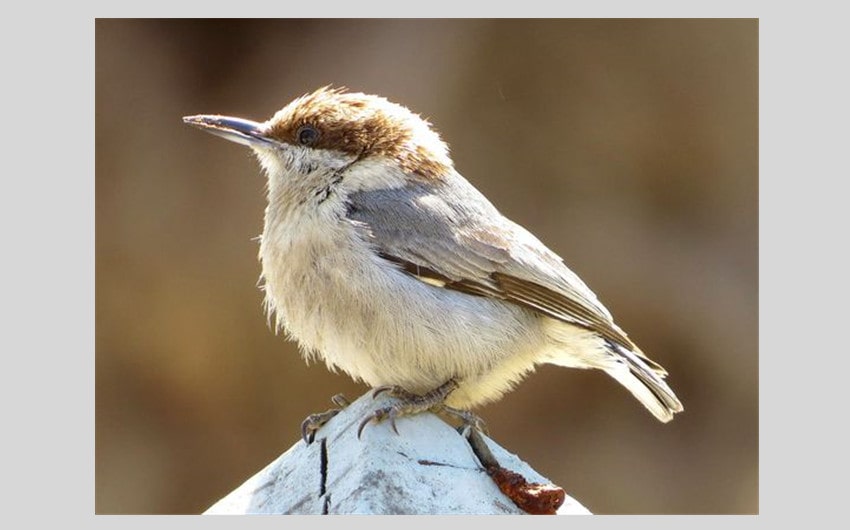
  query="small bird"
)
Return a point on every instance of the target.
[{"x": 382, "y": 260}]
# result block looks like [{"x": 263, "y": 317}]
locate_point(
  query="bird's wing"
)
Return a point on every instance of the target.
[{"x": 449, "y": 235}]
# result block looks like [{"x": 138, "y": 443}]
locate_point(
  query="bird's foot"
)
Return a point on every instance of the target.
[
  {"x": 408, "y": 403},
  {"x": 314, "y": 422},
  {"x": 467, "y": 418}
]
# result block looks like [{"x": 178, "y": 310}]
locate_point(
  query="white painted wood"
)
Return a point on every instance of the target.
[{"x": 428, "y": 468}]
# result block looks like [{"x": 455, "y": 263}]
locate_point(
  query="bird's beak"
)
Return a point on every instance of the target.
[{"x": 245, "y": 132}]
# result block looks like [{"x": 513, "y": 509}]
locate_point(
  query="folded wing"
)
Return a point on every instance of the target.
[{"x": 456, "y": 239}]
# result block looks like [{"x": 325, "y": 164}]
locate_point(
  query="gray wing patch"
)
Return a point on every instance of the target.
[
  {"x": 416, "y": 226},
  {"x": 459, "y": 241}
]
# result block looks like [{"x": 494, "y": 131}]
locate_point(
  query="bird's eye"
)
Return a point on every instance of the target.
[{"x": 307, "y": 135}]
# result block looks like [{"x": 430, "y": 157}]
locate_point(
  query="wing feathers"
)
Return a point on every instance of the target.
[
  {"x": 459, "y": 241},
  {"x": 559, "y": 306}
]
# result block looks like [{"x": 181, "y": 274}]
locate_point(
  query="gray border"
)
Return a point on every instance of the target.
[{"x": 49, "y": 391}]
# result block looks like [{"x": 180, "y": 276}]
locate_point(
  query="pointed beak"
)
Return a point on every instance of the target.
[{"x": 245, "y": 132}]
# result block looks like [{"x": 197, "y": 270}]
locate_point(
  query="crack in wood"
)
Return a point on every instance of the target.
[
  {"x": 432, "y": 463},
  {"x": 323, "y": 465}
]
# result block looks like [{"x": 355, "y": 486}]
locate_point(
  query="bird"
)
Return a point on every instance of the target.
[{"x": 380, "y": 259}]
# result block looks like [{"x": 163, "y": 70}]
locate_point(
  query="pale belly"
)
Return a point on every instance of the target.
[{"x": 396, "y": 330}]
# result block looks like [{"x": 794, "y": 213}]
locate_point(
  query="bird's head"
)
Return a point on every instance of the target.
[{"x": 337, "y": 138}]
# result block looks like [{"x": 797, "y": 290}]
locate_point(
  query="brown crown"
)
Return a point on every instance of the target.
[{"x": 365, "y": 126}]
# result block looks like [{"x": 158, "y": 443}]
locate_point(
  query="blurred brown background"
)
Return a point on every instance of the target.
[{"x": 630, "y": 147}]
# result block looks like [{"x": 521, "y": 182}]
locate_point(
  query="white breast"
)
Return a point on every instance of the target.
[{"x": 360, "y": 314}]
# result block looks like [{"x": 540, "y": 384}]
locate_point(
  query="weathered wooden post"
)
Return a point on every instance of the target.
[{"x": 428, "y": 468}]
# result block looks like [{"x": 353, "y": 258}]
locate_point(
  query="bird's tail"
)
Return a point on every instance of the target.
[{"x": 645, "y": 380}]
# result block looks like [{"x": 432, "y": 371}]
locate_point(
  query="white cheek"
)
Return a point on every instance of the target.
[
  {"x": 295, "y": 162},
  {"x": 373, "y": 173},
  {"x": 273, "y": 161}
]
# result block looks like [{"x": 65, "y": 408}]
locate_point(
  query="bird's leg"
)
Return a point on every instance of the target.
[
  {"x": 314, "y": 422},
  {"x": 409, "y": 404}
]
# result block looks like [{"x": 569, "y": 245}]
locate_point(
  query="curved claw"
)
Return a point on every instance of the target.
[
  {"x": 340, "y": 401},
  {"x": 314, "y": 422},
  {"x": 381, "y": 389},
  {"x": 379, "y": 415},
  {"x": 393, "y": 415},
  {"x": 363, "y": 423},
  {"x": 308, "y": 430}
]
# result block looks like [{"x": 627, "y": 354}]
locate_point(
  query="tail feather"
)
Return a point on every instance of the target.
[{"x": 645, "y": 383}]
